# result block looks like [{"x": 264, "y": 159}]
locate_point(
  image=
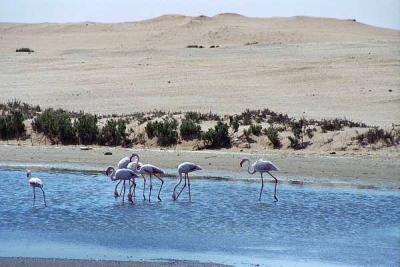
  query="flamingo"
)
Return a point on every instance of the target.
[
  {"x": 185, "y": 168},
  {"x": 35, "y": 182},
  {"x": 261, "y": 166},
  {"x": 150, "y": 170},
  {"x": 122, "y": 175},
  {"x": 123, "y": 164}
]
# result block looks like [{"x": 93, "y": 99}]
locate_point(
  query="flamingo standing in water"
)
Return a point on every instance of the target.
[
  {"x": 149, "y": 169},
  {"x": 123, "y": 164},
  {"x": 35, "y": 182},
  {"x": 122, "y": 175},
  {"x": 185, "y": 168},
  {"x": 261, "y": 166}
]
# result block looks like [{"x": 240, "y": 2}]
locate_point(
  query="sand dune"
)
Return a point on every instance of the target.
[{"x": 300, "y": 65}]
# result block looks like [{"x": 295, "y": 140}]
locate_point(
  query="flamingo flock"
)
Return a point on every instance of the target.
[{"x": 130, "y": 168}]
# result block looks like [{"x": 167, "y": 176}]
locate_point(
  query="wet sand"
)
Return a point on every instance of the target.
[
  {"x": 33, "y": 262},
  {"x": 375, "y": 171}
]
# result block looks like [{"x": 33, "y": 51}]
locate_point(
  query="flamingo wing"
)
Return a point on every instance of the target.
[{"x": 265, "y": 166}]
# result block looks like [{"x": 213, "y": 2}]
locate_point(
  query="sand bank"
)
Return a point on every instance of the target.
[{"x": 367, "y": 171}]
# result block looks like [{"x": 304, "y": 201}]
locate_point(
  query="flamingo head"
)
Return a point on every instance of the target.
[
  {"x": 110, "y": 171},
  {"x": 134, "y": 155},
  {"x": 197, "y": 168},
  {"x": 28, "y": 173},
  {"x": 243, "y": 160}
]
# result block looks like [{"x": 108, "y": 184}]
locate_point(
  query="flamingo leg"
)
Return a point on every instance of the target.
[
  {"x": 144, "y": 187},
  {"x": 151, "y": 187},
  {"x": 34, "y": 196},
  {"x": 190, "y": 196},
  {"x": 173, "y": 194},
  {"x": 120, "y": 193},
  {"x": 116, "y": 189},
  {"x": 162, "y": 183},
  {"x": 276, "y": 183},
  {"x": 44, "y": 197},
  {"x": 123, "y": 196},
  {"x": 262, "y": 186},
  {"x": 184, "y": 185},
  {"x": 134, "y": 188},
  {"x": 130, "y": 191}
]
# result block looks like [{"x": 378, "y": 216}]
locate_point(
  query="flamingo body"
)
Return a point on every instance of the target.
[
  {"x": 149, "y": 169},
  {"x": 35, "y": 182},
  {"x": 185, "y": 168},
  {"x": 261, "y": 166},
  {"x": 123, "y": 175}
]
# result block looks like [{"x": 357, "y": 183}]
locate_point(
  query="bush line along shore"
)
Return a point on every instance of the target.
[{"x": 165, "y": 129}]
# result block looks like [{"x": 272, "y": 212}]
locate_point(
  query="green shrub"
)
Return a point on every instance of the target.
[
  {"x": 217, "y": 137},
  {"x": 86, "y": 128},
  {"x": 165, "y": 131},
  {"x": 189, "y": 129},
  {"x": 12, "y": 125},
  {"x": 24, "y": 49},
  {"x": 376, "y": 134},
  {"x": 273, "y": 136},
  {"x": 294, "y": 142},
  {"x": 255, "y": 129},
  {"x": 57, "y": 125},
  {"x": 234, "y": 123},
  {"x": 113, "y": 133},
  {"x": 198, "y": 117}
]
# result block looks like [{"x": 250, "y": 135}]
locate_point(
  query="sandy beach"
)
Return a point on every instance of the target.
[{"x": 376, "y": 170}]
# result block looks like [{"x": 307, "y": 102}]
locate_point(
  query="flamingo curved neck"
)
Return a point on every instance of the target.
[{"x": 249, "y": 167}]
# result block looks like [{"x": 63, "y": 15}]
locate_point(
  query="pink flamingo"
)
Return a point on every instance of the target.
[
  {"x": 185, "y": 168},
  {"x": 35, "y": 182},
  {"x": 123, "y": 164},
  {"x": 122, "y": 175},
  {"x": 151, "y": 170},
  {"x": 261, "y": 166}
]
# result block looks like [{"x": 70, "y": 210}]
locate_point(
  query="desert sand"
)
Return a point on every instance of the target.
[{"x": 316, "y": 67}]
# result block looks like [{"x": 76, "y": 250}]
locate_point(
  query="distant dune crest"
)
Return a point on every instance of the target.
[{"x": 226, "y": 29}]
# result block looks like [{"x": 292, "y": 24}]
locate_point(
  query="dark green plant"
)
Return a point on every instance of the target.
[
  {"x": 12, "y": 125},
  {"x": 255, "y": 129},
  {"x": 114, "y": 133},
  {"x": 376, "y": 134},
  {"x": 273, "y": 136},
  {"x": 189, "y": 129},
  {"x": 217, "y": 137},
  {"x": 86, "y": 128},
  {"x": 294, "y": 142},
  {"x": 165, "y": 131},
  {"x": 57, "y": 125}
]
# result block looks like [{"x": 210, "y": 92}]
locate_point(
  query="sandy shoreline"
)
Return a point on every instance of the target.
[
  {"x": 42, "y": 262},
  {"x": 375, "y": 171}
]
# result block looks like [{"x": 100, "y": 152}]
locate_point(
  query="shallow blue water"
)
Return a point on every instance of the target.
[{"x": 224, "y": 223}]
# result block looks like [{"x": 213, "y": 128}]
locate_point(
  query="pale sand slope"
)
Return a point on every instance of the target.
[
  {"x": 367, "y": 171},
  {"x": 39, "y": 262},
  {"x": 323, "y": 67}
]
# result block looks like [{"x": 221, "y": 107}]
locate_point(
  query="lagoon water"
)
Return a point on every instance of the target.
[{"x": 224, "y": 223}]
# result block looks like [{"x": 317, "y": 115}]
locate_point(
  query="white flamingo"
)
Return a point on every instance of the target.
[
  {"x": 35, "y": 182},
  {"x": 123, "y": 164},
  {"x": 149, "y": 169},
  {"x": 122, "y": 175},
  {"x": 261, "y": 166},
  {"x": 185, "y": 168}
]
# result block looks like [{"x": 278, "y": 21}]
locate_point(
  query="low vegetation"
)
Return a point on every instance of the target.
[
  {"x": 217, "y": 137},
  {"x": 24, "y": 49},
  {"x": 168, "y": 129}
]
